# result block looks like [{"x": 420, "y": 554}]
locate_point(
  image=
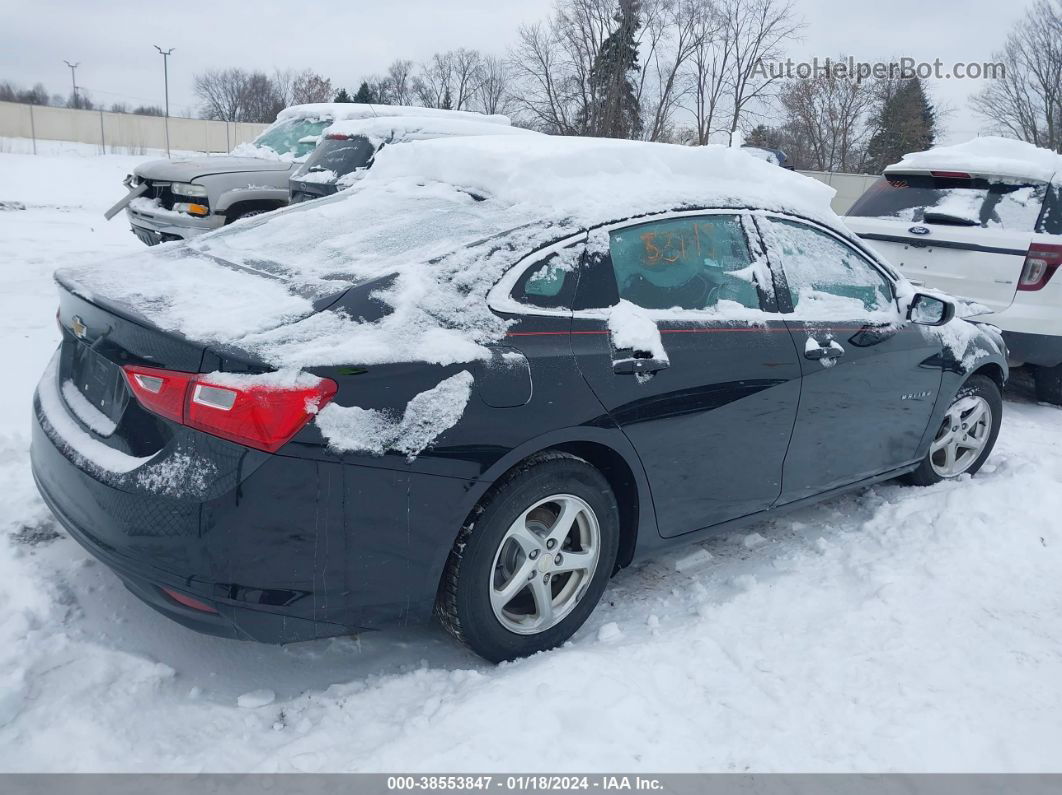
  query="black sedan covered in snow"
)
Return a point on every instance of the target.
[{"x": 482, "y": 381}]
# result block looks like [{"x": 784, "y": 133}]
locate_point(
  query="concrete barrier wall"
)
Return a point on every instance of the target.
[
  {"x": 849, "y": 187},
  {"x": 121, "y": 130}
]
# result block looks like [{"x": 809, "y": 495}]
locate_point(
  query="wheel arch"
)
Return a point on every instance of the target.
[
  {"x": 236, "y": 209},
  {"x": 608, "y": 452}
]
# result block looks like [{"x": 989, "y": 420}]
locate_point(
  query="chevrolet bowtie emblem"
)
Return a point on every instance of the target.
[{"x": 79, "y": 328}]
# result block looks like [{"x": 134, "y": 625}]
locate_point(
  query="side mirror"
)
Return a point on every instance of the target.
[{"x": 929, "y": 310}]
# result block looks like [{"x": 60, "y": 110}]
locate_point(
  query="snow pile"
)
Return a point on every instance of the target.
[
  {"x": 426, "y": 416},
  {"x": 632, "y": 329},
  {"x": 341, "y": 111},
  {"x": 990, "y": 155},
  {"x": 417, "y": 128},
  {"x": 592, "y": 180}
]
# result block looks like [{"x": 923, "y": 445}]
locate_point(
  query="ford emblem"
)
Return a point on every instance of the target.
[{"x": 918, "y": 230}]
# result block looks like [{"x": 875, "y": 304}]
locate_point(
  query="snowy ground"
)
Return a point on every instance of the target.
[{"x": 897, "y": 629}]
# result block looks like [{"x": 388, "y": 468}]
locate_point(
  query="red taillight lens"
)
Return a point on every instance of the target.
[
  {"x": 337, "y": 137},
  {"x": 951, "y": 174},
  {"x": 160, "y": 391},
  {"x": 261, "y": 416},
  {"x": 1041, "y": 263},
  {"x": 257, "y": 416}
]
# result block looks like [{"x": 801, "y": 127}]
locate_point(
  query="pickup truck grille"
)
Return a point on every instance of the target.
[{"x": 160, "y": 191}]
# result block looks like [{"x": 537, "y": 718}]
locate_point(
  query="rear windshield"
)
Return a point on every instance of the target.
[
  {"x": 1010, "y": 205},
  {"x": 338, "y": 156},
  {"x": 285, "y": 137}
]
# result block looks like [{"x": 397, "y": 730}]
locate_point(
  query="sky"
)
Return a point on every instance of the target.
[{"x": 113, "y": 40}]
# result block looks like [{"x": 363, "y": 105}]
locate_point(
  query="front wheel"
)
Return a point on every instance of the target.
[
  {"x": 966, "y": 436},
  {"x": 529, "y": 569}
]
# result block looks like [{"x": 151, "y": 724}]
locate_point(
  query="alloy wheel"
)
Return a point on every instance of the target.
[
  {"x": 544, "y": 564},
  {"x": 962, "y": 437}
]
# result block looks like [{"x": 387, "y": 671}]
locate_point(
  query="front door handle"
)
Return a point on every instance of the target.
[
  {"x": 818, "y": 351},
  {"x": 639, "y": 366}
]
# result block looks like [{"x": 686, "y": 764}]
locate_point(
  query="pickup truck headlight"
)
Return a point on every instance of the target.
[{"x": 188, "y": 189}]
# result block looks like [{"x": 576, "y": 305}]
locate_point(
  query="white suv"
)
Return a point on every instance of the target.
[{"x": 982, "y": 220}]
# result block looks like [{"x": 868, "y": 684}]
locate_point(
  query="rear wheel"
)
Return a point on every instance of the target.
[
  {"x": 530, "y": 567},
  {"x": 1049, "y": 384},
  {"x": 966, "y": 436}
]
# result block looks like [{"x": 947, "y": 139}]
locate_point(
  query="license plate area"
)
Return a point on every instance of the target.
[{"x": 100, "y": 381}]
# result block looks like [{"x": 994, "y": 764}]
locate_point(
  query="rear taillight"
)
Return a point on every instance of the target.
[
  {"x": 1041, "y": 263},
  {"x": 257, "y": 415},
  {"x": 950, "y": 174},
  {"x": 337, "y": 137}
]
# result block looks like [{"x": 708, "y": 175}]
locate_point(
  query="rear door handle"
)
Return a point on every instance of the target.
[
  {"x": 817, "y": 351},
  {"x": 639, "y": 366}
]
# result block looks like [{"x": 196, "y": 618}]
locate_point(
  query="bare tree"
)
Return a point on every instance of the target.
[
  {"x": 221, "y": 93},
  {"x": 493, "y": 93},
  {"x": 551, "y": 65},
  {"x": 674, "y": 30},
  {"x": 308, "y": 86},
  {"x": 1027, "y": 102},
  {"x": 262, "y": 99},
  {"x": 758, "y": 29},
  {"x": 711, "y": 65},
  {"x": 450, "y": 79},
  {"x": 828, "y": 121},
  {"x": 397, "y": 86}
]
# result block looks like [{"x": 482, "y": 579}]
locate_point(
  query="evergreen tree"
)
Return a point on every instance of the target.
[
  {"x": 342, "y": 96},
  {"x": 614, "y": 110},
  {"x": 447, "y": 103},
  {"x": 905, "y": 123},
  {"x": 365, "y": 95}
]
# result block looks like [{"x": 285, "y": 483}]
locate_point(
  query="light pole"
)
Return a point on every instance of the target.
[
  {"x": 166, "y": 79},
  {"x": 73, "y": 80}
]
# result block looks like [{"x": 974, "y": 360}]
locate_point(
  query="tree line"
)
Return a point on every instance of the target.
[{"x": 682, "y": 71}]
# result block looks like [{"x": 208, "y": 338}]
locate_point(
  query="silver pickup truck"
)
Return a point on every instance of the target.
[{"x": 184, "y": 197}]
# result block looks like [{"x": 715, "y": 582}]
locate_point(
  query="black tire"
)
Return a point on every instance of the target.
[
  {"x": 980, "y": 386},
  {"x": 247, "y": 214},
  {"x": 1048, "y": 384},
  {"x": 464, "y": 604}
]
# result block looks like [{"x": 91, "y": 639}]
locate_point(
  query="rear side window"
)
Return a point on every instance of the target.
[
  {"x": 1051, "y": 220},
  {"x": 821, "y": 269},
  {"x": 549, "y": 283},
  {"x": 684, "y": 263},
  {"x": 956, "y": 201}
]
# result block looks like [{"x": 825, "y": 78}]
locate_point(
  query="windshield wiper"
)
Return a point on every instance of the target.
[{"x": 931, "y": 217}]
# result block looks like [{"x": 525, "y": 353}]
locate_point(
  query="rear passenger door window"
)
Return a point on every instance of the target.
[{"x": 692, "y": 263}]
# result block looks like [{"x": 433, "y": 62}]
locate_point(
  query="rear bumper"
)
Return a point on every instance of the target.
[
  {"x": 1043, "y": 350},
  {"x": 283, "y": 547},
  {"x": 83, "y": 504}
]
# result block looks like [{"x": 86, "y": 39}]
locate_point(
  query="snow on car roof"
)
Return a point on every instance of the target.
[
  {"x": 409, "y": 128},
  {"x": 446, "y": 218},
  {"x": 356, "y": 110},
  {"x": 989, "y": 155}
]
